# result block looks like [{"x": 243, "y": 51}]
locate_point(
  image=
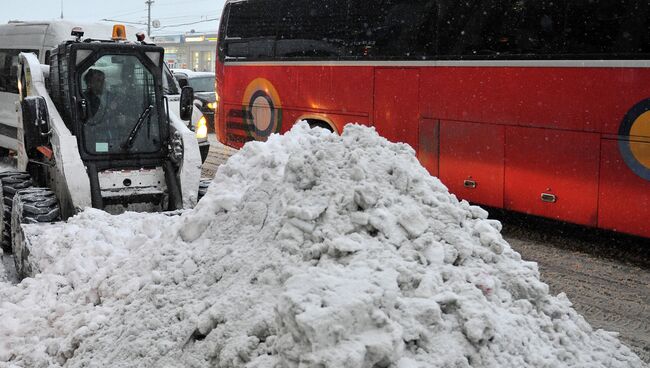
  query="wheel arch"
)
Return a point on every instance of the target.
[{"x": 319, "y": 121}]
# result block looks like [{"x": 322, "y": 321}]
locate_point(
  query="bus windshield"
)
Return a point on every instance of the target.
[{"x": 122, "y": 106}]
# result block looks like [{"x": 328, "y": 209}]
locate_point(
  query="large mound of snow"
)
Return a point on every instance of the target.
[{"x": 309, "y": 250}]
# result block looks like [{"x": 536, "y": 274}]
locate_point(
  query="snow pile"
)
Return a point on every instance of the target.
[{"x": 309, "y": 250}]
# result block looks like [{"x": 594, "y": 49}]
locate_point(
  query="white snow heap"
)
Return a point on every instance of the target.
[{"x": 309, "y": 250}]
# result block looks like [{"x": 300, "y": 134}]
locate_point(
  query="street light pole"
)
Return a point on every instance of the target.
[{"x": 149, "y": 2}]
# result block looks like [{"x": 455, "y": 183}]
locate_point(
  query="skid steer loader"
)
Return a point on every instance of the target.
[{"x": 96, "y": 132}]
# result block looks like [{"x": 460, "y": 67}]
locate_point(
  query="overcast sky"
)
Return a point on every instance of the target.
[{"x": 170, "y": 13}]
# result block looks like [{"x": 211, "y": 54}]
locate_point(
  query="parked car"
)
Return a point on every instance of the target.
[
  {"x": 172, "y": 90},
  {"x": 204, "y": 95}
]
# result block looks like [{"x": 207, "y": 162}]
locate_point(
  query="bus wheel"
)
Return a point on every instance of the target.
[
  {"x": 320, "y": 124},
  {"x": 203, "y": 187}
]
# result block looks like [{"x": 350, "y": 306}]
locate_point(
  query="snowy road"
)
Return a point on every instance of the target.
[
  {"x": 608, "y": 280},
  {"x": 606, "y": 277}
]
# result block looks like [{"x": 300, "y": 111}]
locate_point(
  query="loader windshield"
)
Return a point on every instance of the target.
[{"x": 122, "y": 111}]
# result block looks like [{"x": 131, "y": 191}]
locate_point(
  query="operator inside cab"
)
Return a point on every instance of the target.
[{"x": 94, "y": 89}]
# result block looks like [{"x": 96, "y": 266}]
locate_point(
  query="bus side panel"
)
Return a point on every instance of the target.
[
  {"x": 340, "y": 89},
  {"x": 429, "y": 145},
  {"x": 396, "y": 104},
  {"x": 239, "y": 88},
  {"x": 587, "y": 99},
  {"x": 624, "y": 198},
  {"x": 604, "y": 95},
  {"x": 471, "y": 161},
  {"x": 310, "y": 88},
  {"x": 313, "y": 90},
  {"x": 552, "y": 173},
  {"x": 469, "y": 94}
]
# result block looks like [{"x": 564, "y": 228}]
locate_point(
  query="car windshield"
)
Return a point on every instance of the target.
[
  {"x": 122, "y": 107},
  {"x": 202, "y": 84}
]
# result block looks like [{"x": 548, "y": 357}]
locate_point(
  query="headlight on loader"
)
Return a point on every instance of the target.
[
  {"x": 202, "y": 128},
  {"x": 212, "y": 105}
]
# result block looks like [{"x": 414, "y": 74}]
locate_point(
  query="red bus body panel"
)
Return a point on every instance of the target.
[
  {"x": 585, "y": 99},
  {"x": 560, "y": 163},
  {"x": 518, "y": 132},
  {"x": 473, "y": 152},
  {"x": 396, "y": 113},
  {"x": 624, "y": 197}
]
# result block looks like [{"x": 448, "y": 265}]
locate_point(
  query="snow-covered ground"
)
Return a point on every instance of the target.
[{"x": 309, "y": 250}]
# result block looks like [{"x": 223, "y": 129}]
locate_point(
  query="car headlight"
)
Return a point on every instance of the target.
[
  {"x": 202, "y": 128},
  {"x": 212, "y": 105}
]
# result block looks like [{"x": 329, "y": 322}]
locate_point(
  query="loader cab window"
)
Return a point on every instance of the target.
[{"x": 122, "y": 108}]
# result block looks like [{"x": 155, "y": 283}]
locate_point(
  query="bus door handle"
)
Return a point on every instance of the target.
[
  {"x": 549, "y": 198},
  {"x": 469, "y": 183}
]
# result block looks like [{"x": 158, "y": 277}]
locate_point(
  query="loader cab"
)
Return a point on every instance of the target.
[{"x": 111, "y": 98}]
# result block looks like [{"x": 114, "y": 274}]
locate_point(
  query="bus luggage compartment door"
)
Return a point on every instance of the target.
[
  {"x": 471, "y": 161},
  {"x": 552, "y": 173}
]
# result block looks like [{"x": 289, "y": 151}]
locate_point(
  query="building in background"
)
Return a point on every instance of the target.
[{"x": 195, "y": 51}]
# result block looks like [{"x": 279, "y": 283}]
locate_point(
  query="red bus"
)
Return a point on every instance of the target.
[{"x": 535, "y": 106}]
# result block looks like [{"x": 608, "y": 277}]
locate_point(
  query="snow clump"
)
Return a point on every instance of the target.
[{"x": 309, "y": 250}]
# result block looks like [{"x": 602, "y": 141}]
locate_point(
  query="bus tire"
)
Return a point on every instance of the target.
[
  {"x": 10, "y": 183},
  {"x": 203, "y": 187},
  {"x": 30, "y": 206},
  {"x": 313, "y": 123}
]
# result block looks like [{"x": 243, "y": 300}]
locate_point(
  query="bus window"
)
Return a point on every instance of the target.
[
  {"x": 251, "y": 29},
  {"x": 393, "y": 29},
  {"x": 472, "y": 28},
  {"x": 539, "y": 28},
  {"x": 253, "y": 19},
  {"x": 311, "y": 28},
  {"x": 606, "y": 27}
]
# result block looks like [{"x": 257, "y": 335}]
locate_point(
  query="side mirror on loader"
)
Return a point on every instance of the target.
[
  {"x": 36, "y": 121},
  {"x": 187, "y": 103}
]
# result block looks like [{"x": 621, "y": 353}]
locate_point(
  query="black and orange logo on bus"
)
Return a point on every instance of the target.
[
  {"x": 636, "y": 149},
  {"x": 262, "y": 109}
]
